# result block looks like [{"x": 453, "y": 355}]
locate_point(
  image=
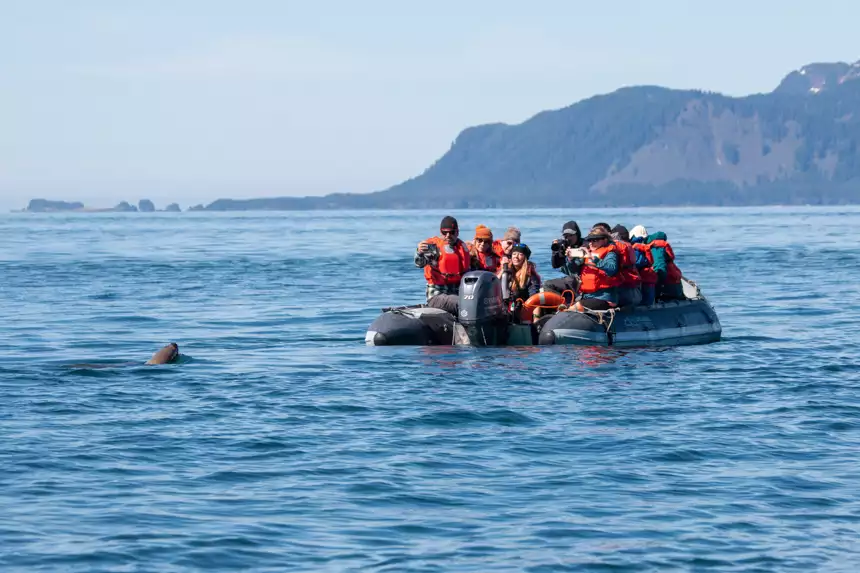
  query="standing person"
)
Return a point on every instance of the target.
[{"x": 445, "y": 260}]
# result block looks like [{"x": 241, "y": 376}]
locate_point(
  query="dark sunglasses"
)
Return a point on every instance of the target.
[{"x": 448, "y": 231}]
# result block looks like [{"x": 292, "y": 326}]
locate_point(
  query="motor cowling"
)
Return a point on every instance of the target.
[{"x": 481, "y": 310}]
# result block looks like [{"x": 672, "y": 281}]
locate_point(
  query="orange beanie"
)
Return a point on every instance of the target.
[{"x": 483, "y": 232}]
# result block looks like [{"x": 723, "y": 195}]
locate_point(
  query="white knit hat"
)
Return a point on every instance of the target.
[{"x": 638, "y": 231}]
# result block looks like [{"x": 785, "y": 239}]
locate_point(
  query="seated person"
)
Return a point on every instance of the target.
[
  {"x": 629, "y": 291},
  {"x": 600, "y": 277},
  {"x": 669, "y": 285},
  {"x": 503, "y": 247},
  {"x": 445, "y": 260},
  {"x": 565, "y": 257},
  {"x": 525, "y": 280},
  {"x": 644, "y": 264},
  {"x": 484, "y": 258}
]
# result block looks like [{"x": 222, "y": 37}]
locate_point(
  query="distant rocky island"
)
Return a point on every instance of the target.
[
  {"x": 47, "y": 206},
  {"x": 637, "y": 146}
]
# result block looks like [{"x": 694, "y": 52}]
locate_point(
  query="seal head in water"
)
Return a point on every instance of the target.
[{"x": 166, "y": 355}]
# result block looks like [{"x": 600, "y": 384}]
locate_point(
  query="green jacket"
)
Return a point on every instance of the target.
[{"x": 659, "y": 254}]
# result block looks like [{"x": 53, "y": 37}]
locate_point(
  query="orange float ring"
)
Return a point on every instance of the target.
[{"x": 544, "y": 300}]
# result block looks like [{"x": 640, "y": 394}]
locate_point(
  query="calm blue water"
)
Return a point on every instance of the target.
[{"x": 284, "y": 443}]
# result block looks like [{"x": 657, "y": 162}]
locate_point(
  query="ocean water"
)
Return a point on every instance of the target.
[{"x": 281, "y": 442}]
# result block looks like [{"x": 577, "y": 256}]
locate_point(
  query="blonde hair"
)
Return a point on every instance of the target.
[
  {"x": 520, "y": 279},
  {"x": 475, "y": 251}
]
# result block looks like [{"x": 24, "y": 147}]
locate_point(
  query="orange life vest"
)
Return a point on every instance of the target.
[
  {"x": 593, "y": 279},
  {"x": 489, "y": 261},
  {"x": 673, "y": 273},
  {"x": 627, "y": 265},
  {"x": 498, "y": 249},
  {"x": 647, "y": 274},
  {"x": 452, "y": 264}
]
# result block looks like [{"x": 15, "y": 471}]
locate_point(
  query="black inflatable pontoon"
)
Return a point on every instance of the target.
[
  {"x": 484, "y": 320},
  {"x": 411, "y": 325}
]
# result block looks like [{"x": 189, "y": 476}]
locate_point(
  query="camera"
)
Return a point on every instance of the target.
[
  {"x": 562, "y": 244},
  {"x": 432, "y": 252}
]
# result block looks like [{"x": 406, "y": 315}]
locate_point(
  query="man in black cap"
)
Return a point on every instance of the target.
[
  {"x": 567, "y": 256},
  {"x": 445, "y": 259}
]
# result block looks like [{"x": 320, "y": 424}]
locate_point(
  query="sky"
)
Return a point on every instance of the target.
[{"x": 193, "y": 100}]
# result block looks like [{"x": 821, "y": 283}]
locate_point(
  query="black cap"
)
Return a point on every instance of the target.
[
  {"x": 449, "y": 222},
  {"x": 620, "y": 232},
  {"x": 570, "y": 228},
  {"x": 522, "y": 248}
]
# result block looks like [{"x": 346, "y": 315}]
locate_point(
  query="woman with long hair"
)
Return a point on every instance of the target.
[{"x": 525, "y": 280}]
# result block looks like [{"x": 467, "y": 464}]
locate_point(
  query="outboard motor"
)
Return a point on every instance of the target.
[{"x": 482, "y": 319}]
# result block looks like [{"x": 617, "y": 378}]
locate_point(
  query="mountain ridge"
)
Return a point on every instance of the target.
[{"x": 643, "y": 145}]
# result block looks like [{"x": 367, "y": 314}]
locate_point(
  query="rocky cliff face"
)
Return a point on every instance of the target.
[{"x": 813, "y": 78}]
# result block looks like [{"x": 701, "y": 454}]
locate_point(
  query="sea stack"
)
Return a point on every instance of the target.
[{"x": 125, "y": 207}]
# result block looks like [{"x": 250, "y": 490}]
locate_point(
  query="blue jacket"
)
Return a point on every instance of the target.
[
  {"x": 608, "y": 264},
  {"x": 641, "y": 259}
]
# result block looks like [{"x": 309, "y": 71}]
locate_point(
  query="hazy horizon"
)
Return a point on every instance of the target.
[{"x": 191, "y": 102}]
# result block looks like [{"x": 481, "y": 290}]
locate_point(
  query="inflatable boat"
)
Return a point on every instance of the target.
[{"x": 485, "y": 318}]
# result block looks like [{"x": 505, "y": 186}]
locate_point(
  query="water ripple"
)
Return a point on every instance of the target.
[{"x": 281, "y": 442}]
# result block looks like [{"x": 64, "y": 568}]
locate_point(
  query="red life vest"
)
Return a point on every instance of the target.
[
  {"x": 498, "y": 249},
  {"x": 593, "y": 279},
  {"x": 647, "y": 274},
  {"x": 673, "y": 273},
  {"x": 627, "y": 265},
  {"x": 452, "y": 264},
  {"x": 489, "y": 261}
]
